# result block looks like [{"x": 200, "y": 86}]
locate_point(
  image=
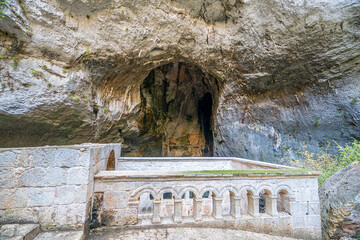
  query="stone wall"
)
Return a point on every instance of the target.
[
  {"x": 190, "y": 164},
  {"x": 51, "y": 185},
  {"x": 291, "y": 201}
]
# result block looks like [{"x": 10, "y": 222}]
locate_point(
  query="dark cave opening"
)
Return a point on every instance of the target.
[
  {"x": 204, "y": 117},
  {"x": 175, "y": 118}
]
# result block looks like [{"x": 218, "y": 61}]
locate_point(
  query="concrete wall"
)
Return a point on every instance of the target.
[{"x": 50, "y": 185}]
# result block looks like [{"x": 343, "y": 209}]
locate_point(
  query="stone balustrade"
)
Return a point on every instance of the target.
[{"x": 283, "y": 203}]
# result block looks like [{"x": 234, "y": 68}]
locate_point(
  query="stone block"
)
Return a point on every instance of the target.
[
  {"x": 130, "y": 217},
  {"x": 70, "y": 215},
  {"x": 9, "y": 158},
  {"x": 47, "y": 216},
  {"x": 55, "y": 176},
  {"x": 299, "y": 208},
  {"x": 7, "y": 199},
  {"x": 313, "y": 221},
  {"x": 314, "y": 208},
  {"x": 24, "y": 159},
  {"x": 35, "y": 177},
  {"x": 7, "y": 178},
  {"x": 115, "y": 200},
  {"x": 20, "y": 197},
  {"x": 66, "y": 157},
  {"x": 299, "y": 221},
  {"x": 57, "y": 235},
  {"x": 42, "y": 157},
  {"x": 81, "y": 194},
  {"x": 19, "y": 231},
  {"x": 41, "y": 197},
  {"x": 84, "y": 159},
  {"x": 21, "y": 215},
  {"x": 78, "y": 175},
  {"x": 65, "y": 195}
]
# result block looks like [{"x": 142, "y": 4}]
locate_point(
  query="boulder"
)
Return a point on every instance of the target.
[{"x": 340, "y": 204}]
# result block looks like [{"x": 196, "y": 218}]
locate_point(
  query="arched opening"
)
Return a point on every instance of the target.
[
  {"x": 207, "y": 207},
  {"x": 283, "y": 202},
  {"x": 188, "y": 203},
  {"x": 167, "y": 205},
  {"x": 111, "y": 161},
  {"x": 146, "y": 208},
  {"x": 265, "y": 203},
  {"x": 176, "y": 113}
]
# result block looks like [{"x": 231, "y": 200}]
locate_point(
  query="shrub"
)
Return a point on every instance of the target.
[
  {"x": 2, "y": 3},
  {"x": 326, "y": 162}
]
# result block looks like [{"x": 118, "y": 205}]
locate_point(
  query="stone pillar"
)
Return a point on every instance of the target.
[
  {"x": 235, "y": 206},
  {"x": 217, "y": 208},
  {"x": 197, "y": 205},
  {"x": 253, "y": 205},
  {"x": 271, "y": 205},
  {"x": 131, "y": 213},
  {"x": 177, "y": 211},
  {"x": 156, "y": 212}
]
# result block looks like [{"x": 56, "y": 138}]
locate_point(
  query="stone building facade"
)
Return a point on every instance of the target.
[{"x": 89, "y": 185}]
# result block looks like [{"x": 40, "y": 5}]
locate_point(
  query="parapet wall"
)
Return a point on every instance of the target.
[{"x": 52, "y": 186}]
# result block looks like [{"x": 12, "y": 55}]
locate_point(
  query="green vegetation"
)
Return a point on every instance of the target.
[
  {"x": 2, "y": 3},
  {"x": 317, "y": 122},
  {"x": 218, "y": 75},
  {"x": 251, "y": 171},
  {"x": 326, "y": 162},
  {"x": 354, "y": 101},
  {"x": 3, "y": 84},
  {"x": 37, "y": 73},
  {"x": 105, "y": 111},
  {"x": 16, "y": 60},
  {"x": 75, "y": 98}
]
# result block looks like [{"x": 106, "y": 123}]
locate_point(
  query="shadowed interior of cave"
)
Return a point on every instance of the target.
[
  {"x": 175, "y": 119},
  {"x": 204, "y": 117}
]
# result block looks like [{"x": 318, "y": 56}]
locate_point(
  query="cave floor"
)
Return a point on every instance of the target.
[{"x": 181, "y": 234}]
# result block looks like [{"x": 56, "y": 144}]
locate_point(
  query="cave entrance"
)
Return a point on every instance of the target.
[
  {"x": 177, "y": 109},
  {"x": 204, "y": 117}
]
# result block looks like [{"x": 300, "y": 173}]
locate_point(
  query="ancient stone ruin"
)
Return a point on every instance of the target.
[
  {"x": 144, "y": 114},
  {"x": 88, "y": 186}
]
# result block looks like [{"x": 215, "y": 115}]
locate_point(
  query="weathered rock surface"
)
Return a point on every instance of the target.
[
  {"x": 61, "y": 235},
  {"x": 283, "y": 72},
  {"x": 340, "y": 204},
  {"x": 19, "y": 231}
]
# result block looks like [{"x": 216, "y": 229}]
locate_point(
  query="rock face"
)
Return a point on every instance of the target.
[
  {"x": 246, "y": 78},
  {"x": 340, "y": 204}
]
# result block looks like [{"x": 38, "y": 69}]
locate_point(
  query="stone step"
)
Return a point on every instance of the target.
[
  {"x": 19, "y": 231},
  {"x": 60, "y": 235}
]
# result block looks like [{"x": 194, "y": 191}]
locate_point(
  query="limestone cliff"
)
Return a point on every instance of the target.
[{"x": 246, "y": 78}]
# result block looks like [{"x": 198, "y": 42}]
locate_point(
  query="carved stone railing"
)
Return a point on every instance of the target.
[{"x": 267, "y": 200}]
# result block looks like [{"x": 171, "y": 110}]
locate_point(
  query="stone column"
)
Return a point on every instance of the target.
[
  {"x": 177, "y": 211},
  {"x": 235, "y": 206},
  {"x": 197, "y": 205},
  {"x": 271, "y": 205},
  {"x": 131, "y": 213},
  {"x": 217, "y": 208},
  {"x": 253, "y": 205},
  {"x": 156, "y": 212}
]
